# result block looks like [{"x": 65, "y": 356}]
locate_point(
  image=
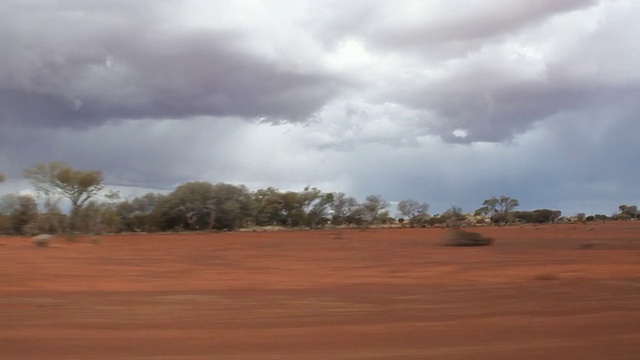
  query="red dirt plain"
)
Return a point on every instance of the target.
[{"x": 537, "y": 293}]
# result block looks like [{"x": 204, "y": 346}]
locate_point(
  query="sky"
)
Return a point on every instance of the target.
[{"x": 445, "y": 102}]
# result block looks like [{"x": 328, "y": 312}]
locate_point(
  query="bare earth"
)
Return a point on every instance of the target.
[{"x": 375, "y": 294}]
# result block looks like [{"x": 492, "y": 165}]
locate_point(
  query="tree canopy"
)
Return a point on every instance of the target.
[{"x": 57, "y": 178}]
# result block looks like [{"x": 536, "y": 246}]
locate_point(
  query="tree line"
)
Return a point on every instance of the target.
[{"x": 198, "y": 206}]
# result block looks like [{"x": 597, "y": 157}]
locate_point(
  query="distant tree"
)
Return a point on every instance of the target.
[
  {"x": 268, "y": 207},
  {"x": 627, "y": 212},
  {"x": 2, "y": 177},
  {"x": 292, "y": 208},
  {"x": 499, "y": 208},
  {"x": 187, "y": 207},
  {"x": 196, "y": 206},
  {"x": 453, "y": 216},
  {"x": 341, "y": 208},
  {"x": 502, "y": 204},
  {"x": 601, "y": 217},
  {"x": 134, "y": 214},
  {"x": 231, "y": 207},
  {"x": 482, "y": 211},
  {"x": 542, "y": 216},
  {"x": 22, "y": 211},
  {"x": 384, "y": 217},
  {"x": 370, "y": 210},
  {"x": 8, "y": 203},
  {"x": 414, "y": 211},
  {"x": 52, "y": 220},
  {"x": 95, "y": 217},
  {"x": 58, "y": 178},
  {"x": 316, "y": 205}
]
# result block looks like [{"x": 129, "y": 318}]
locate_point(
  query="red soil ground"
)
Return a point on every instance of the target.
[{"x": 537, "y": 293}]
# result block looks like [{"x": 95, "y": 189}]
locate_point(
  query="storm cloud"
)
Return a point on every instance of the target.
[
  {"x": 82, "y": 63},
  {"x": 445, "y": 102}
]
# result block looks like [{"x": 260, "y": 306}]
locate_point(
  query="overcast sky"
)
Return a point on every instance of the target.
[{"x": 447, "y": 102}]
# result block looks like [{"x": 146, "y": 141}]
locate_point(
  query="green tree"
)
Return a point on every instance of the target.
[
  {"x": 231, "y": 207},
  {"x": 309, "y": 207},
  {"x": 187, "y": 207},
  {"x": 292, "y": 208},
  {"x": 498, "y": 208},
  {"x": 202, "y": 206},
  {"x": 268, "y": 210},
  {"x": 58, "y": 178}
]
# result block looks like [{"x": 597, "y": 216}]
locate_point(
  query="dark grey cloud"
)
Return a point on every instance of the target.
[
  {"x": 157, "y": 154},
  {"x": 497, "y": 112},
  {"x": 81, "y": 63}
]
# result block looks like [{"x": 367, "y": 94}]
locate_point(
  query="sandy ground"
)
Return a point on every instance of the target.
[{"x": 375, "y": 294}]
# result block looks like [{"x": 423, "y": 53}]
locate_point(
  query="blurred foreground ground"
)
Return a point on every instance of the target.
[{"x": 375, "y": 294}]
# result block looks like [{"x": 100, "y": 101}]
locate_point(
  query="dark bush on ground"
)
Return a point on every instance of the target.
[{"x": 457, "y": 237}]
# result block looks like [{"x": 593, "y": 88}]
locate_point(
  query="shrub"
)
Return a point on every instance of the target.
[{"x": 457, "y": 237}]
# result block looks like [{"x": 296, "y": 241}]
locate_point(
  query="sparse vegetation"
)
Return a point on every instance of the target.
[{"x": 203, "y": 206}]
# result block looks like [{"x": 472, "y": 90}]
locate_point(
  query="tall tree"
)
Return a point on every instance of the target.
[
  {"x": 58, "y": 178},
  {"x": 2, "y": 177}
]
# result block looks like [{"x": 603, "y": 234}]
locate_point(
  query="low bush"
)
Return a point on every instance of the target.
[{"x": 457, "y": 237}]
